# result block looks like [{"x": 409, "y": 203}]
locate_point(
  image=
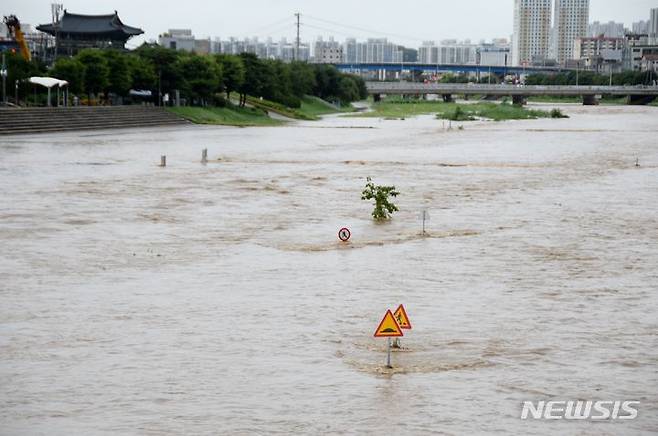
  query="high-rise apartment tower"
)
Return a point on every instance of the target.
[
  {"x": 571, "y": 21},
  {"x": 532, "y": 27}
]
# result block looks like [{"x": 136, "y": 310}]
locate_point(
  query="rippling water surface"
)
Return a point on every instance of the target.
[{"x": 217, "y": 299}]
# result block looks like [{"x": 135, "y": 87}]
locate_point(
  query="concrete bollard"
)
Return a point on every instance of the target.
[
  {"x": 163, "y": 161},
  {"x": 204, "y": 156}
]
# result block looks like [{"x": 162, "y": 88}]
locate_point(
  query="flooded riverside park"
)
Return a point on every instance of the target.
[{"x": 217, "y": 298}]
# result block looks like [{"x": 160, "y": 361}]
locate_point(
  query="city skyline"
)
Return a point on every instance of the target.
[{"x": 365, "y": 19}]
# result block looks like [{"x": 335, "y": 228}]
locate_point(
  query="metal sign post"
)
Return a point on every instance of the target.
[{"x": 388, "y": 355}]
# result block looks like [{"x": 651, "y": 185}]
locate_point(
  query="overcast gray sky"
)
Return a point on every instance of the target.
[{"x": 405, "y": 22}]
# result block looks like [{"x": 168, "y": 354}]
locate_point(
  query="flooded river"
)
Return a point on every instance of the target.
[{"x": 217, "y": 299}]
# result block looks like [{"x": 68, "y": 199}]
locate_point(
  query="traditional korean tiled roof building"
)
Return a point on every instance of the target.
[{"x": 75, "y": 32}]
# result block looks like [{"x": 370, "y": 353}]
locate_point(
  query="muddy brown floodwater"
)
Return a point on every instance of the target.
[{"x": 217, "y": 299}]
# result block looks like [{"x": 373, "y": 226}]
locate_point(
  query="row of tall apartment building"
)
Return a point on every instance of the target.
[
  {"x": 552, "y": 30},
  {"x": 330, "y": 51},
  {"x": 536, "y": 39},
  {"x": 450, "y": 51},
  {"x": 351, "y": 51}
]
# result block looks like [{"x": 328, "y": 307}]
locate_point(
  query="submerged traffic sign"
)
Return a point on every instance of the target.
[
  {"x": 401, "y": 317},
  {"x": 388, "y": 327},
  {"x": 344, "y": 234}
]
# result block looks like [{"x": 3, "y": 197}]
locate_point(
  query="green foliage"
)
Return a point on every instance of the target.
[
  {"x": 396, "y": 109},
  {"x": 302, "y": 79},
  {"x": 626, "y": 78},
  {"x": 459, "y": 114},
  {"x": 490, "y": 111},
  {"x": 71, "y": 70},
  {"x": 451, "y": 78},
  {"x": 279, "y": 108},
  {"x": 383, "y": 207},
  {"x": 120, "y": 79},
  {"x": 199, "y": 78},
  {"x": 557, "y": 113},
  {"x": 202, "y": 77},
  {"x": 142, "y": 73},
  {"x": 255, "y": 72},
  {"x": 97, "y": 72},
  {"x": 234, "y": 73},
  {"x": 166, "y": 66},
  {"x": 19, "y": 69}
]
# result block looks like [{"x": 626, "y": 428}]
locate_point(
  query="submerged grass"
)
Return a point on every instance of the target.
[
  {"x": 396, "y": 108},
  {"x": 605, "y": 100},
  {"x": 228, "y": 116}
]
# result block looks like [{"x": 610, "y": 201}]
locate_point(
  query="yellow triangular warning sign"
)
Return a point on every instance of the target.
[
  {"x": 402, "y": 318},
  {"x": 388, "y": 327}
]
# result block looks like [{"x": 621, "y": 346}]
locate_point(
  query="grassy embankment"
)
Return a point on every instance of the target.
[
  {"x": 232, "y": 115},
  {"x": 311, "y": 108},
  {"x": 227, "y": 116},
  {"x": 395, "y": 108}
]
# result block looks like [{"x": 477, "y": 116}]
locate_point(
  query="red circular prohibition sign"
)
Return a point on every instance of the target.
[{"x": 344, "y": 234}]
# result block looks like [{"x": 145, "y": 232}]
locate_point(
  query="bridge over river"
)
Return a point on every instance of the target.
[{"x": 519, "y": 93}]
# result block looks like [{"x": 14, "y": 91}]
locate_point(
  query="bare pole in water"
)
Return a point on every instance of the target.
[{"x": 424, "y": 222}]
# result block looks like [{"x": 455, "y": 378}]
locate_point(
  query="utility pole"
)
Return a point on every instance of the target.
[{"x": 295, "y": 56}]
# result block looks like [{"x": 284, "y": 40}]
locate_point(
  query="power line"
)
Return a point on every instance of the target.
[
  {"x": 269, "y": 26},
  {"x": 363, "y": 29},
  {"x": 325, "y": 29}
]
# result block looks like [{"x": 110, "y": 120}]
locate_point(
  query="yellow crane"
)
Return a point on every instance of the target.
[{"x": 14, "y": 27}]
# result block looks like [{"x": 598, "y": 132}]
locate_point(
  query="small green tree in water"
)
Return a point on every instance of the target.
[{"x": 383, "y": 207}]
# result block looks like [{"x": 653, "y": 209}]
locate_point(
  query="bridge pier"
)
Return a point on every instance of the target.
[
  {"x": 447, "y": 98},
  {"x": 640, "y": 99},
  {"x": 519, "y": 100},
  {"x": 591, "y": 100},
  {"x": 377, "y": 98}
]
